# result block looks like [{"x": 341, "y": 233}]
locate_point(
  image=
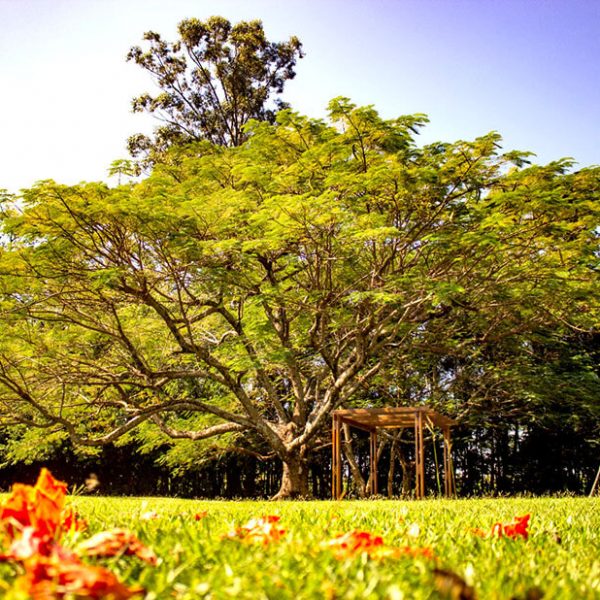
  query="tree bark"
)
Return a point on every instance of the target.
[
  {"x": 294, "y": 479},
  {"x": 318, "y": 481},
  {"x": 392, "y": 469},
  {"x": 380, "y": 448},
  {"x": 408, "y": 471},
  {"x": 359, "y": 480}
]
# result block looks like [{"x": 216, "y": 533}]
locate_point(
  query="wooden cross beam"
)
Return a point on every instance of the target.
[{"x": 372, "y": 419}]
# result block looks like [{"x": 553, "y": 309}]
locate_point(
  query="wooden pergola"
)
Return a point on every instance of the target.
[{"x": 372, "y": 419}]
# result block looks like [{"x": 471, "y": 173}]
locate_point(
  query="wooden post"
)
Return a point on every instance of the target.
[
  {"x": 595, "y": 484},
  {"x": 451, "y": 465},
  {"x": 373, "y": 461},
  {"x": 336, "y": 459},
  {"x": 370, "y": 486},
  {"x": 333, "y": 458},
  {"x": 419, "y": 456},
  {"x": 448, "y": 466},
  {"x": 393, "y": 418},
  {"x": 446, "y": 479},
  {"x": 422, "y": 454}
]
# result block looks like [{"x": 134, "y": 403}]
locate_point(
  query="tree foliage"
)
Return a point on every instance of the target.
[
  {"x": 211, "y": 82},
  {"x": 251, "y": 290}
]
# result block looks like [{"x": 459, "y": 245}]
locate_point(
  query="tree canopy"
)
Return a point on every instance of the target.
[
  {"x": 251, "y": 289},
  {"x": 211, "y": 82}
]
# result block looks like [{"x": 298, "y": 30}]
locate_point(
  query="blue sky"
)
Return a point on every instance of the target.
[{"x": 529, "y": 69}]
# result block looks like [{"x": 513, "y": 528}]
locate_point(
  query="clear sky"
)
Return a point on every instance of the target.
[{"x": 529, "y": 69}]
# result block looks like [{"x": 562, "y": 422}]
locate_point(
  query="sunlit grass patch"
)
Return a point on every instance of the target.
[{"x": 199, "y": 558}]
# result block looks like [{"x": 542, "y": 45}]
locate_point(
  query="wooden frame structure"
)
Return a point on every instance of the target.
[{"x": 372, "y": 419}]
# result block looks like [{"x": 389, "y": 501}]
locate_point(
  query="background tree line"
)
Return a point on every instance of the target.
[{"x": 204, "y": 322}]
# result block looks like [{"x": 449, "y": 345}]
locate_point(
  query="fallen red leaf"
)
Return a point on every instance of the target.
[
  {"x": 513, "y": 530},
  {"x": 262, "y": 530},
  {"x": 30, "y": 543},
  {"x": 356, "y": 542},
  {"x": 518, "y": 528},
  {"x": 71, "y": 521},
  {"x": 51, "y": 578},
  {"x": 115, "y": 542},
  {"x": 39, "y": 506},
  {"x": 34, "y": 518}
]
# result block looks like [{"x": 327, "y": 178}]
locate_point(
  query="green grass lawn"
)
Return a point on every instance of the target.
[{"x": 561, "y": 556}]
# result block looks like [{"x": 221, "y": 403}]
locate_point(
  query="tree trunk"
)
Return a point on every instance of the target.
[
  {"x": 294, "y": 480},
  {"x": 378, "y": 453},
  {"x": 392, "y": 469},
  {"x": 318, "y": 481},
  {"x": 359, "y": 481},
  {"x": 408, "y": 471}
]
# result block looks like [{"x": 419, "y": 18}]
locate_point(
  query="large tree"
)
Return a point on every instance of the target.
[
  {"x": 211, "y": 82},
  {"x": 254, "y": 289}
]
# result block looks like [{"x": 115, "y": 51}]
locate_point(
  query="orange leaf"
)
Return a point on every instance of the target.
[
  {"x": 50, "y": 497},
  {"x": 50, "y": 488},
  {"x": 262, "y": 530},
  {"x": 15, "y": 511},
  {"x": 518, "y": 528},
  {"x": 354, "y": 542},
  {"x": 34, "y": 517},
  {"x": 50, "y": 578},
  {"x": 30, "y": 543},
  {"x": 39, "y": 506},
  {"x": 358, "y": 542},
  {"x": 115, "y": 542},
  {"x": 71, "y": 521}
]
